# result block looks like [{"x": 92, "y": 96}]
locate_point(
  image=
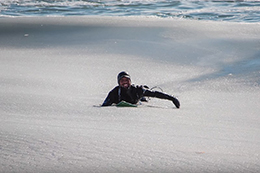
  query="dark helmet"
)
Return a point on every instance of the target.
[{"x": 121, "y": 75}]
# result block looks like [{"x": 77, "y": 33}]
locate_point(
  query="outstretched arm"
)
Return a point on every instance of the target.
[{"x": 161, "y": 95}]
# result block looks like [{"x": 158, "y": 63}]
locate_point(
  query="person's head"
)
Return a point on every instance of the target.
[{"x": 123, "y": 79}]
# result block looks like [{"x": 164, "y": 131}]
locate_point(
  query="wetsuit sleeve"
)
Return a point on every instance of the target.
[
  {"x": 111, "y": 98},
  {"x": 108, "y": 101},
  {"x": 161, "y": 95},
  {"x": 156, "y": 94}
]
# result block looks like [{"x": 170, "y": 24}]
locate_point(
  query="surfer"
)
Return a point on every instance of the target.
[{"x": 127, "y": 92}]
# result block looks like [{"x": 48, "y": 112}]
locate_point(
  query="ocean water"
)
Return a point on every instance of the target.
[{"x": 230, "y": 10}]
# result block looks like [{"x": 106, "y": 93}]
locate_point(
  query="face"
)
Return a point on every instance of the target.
[{"x": 125, "y": 82}]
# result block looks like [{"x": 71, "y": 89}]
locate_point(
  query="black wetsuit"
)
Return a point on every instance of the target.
[{"x": 134, "y": 94}]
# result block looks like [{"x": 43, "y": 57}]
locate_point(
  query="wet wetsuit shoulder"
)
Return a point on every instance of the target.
[{"x": 112, "y": 97}]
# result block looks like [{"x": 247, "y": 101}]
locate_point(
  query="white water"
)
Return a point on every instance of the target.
[
  {"x": 53, "y": 70},
  {"x": 224, "y": 10}
]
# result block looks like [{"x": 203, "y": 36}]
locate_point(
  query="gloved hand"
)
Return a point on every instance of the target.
[{"x": 175, "y": 102}]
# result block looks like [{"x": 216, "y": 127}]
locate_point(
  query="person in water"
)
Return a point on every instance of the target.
[{"x": 125, "y": 91}]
